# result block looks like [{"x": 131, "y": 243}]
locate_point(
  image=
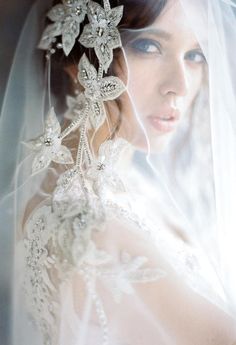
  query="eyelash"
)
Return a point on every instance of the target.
[
  {"x": 142, "y": 45},
  {"x": 196, "y": 53}
]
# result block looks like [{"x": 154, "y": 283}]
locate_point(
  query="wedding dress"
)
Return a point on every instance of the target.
[
  {"x": 115, "y": 278},
  {"x": 138, "y": 248}
]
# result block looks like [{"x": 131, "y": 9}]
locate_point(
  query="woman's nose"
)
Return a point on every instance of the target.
[{"x": 174, "y": 80}]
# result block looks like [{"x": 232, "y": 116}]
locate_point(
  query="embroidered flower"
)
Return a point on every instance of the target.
[
  {"x": 95, "y": 256},
  {"x": 128, "y": 271},
  {"x": 102, "y": 172},
  {"x": 38, "y": 284},
  {"x": 98, "y": 90},
  {"x": 67, "y": 18},
  {"x": 101, "y": 33},
  {"x": 48, "y": 146}
]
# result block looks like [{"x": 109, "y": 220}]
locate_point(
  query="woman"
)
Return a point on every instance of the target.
[{"x": 105, "y": 256}]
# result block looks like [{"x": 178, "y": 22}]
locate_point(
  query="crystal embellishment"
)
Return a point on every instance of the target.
[
  {"x": 48, "y": 146},
  {"x": 101, "y": 33},
  {"x": 66, "y": 18},
  {"x": 98, "y": 90},
  {"x": 103, "y": 168}
]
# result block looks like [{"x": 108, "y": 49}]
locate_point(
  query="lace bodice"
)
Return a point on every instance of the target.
[{"x": 87, "y": 245}]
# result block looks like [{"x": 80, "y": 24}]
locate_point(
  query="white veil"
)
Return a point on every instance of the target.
[
  {"x": 186, "y": 194},
  {"x": 222, "y": 104}
]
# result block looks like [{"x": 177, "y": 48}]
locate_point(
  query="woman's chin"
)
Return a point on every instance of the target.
[{"x": 154, "y": 145}]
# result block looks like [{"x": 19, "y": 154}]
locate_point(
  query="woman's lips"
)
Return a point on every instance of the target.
[{"x": 166, "y": 121}]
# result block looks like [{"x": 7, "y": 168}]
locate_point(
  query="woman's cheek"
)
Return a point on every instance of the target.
[{"x": 142, "y": 84}]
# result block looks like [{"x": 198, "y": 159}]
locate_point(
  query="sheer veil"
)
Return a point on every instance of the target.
[
  {"x": 219, "y": 21},
  {"x": 168, "y": 239}
]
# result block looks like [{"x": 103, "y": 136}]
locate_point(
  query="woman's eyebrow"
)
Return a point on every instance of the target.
[{"x": 158, "y": 32}]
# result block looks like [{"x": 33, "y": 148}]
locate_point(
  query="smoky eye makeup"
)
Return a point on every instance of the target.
[
  {"x": 195, "y": 56},
  {"x": 145, "y": 46}
]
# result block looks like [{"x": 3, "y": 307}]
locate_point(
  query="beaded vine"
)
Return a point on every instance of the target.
[{"x": 102, "y": 35}]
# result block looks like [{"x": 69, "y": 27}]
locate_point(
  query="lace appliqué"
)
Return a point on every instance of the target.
[
  {"x": 59, "y": 236},
  {"x": 97, "y": 90},
  {"x": 119, "y": 279},
  {"x": 59, "y": 240},
  {"x": 128, "y": 272},
  {"x": 55, "y": 248},
  {"x": 66, "y": 19},
  {"x": 48, "y": 146},
  {"x": 101, "y": 33},
  {"x": 87, "y": 109},
  {"x": 38, "y": 285},
  {"x": 103, "y": 168}
]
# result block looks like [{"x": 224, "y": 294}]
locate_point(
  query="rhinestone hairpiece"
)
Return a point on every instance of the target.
[
  {"x": 101, "y": 33},
  {"x": 87, "y": 108},
  {"x": 60, "y": 233}
]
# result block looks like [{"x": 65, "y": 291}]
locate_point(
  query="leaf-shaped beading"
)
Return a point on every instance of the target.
[
  {"x": 52, "y": 125},
  {"x": 49, "y": 34},
  {"x": 98, "y": 114},
  {"x": 101, "y": 33},
  {"x": 87, "y": 71},
  {"x": 67, "y": 18},
  {"x": 63, "y": 156},
  {"x": 57, "y": 13},
  {"x": 115, "y": 15},
  {"x": 114, "y": 40},
  {"x": 104, "y": 55},
  {"x": 88, "y": 37},
  {"x": 40, "y": 162},
  {"x": 111, "y": 88},
  {"x": 70, "y": 30},
  {"x": 96, "y": 13},
  {"x": 34, "y": 144}
]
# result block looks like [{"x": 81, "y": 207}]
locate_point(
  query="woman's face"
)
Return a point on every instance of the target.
[{"x": 166, "y": 67}]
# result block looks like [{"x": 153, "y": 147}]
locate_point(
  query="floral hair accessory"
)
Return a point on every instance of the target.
[
  {"x": 66, "y": 18},
  {"x": 101, "y": 33},
  {"x": 87, "y": 109}
]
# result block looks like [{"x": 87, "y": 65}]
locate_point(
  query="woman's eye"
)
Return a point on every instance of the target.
[
  {"x": 146, "y": 46},
  {"x": 195, "y": 56}
]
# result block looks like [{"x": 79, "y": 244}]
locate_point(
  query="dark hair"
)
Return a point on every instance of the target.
[{"x": 137, "y": 14}]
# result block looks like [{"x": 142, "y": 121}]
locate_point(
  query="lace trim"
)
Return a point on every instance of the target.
[
  {"x": 59, "y": 241},
  {"x": 54, "y": 249}
]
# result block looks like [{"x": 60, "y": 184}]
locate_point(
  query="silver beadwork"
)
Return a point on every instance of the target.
[
  {"x": 48, "y": 146},
  {"x": 98, "y": 90},
  {"x": 67, "y": 18},
  {"x": 87, "y": 108},
  {"x": 102, "y": 33}
]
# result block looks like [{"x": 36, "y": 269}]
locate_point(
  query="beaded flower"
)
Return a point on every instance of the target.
[
  {"x": 101, "y": 33},
  {"x": 48, "y": 146},
  {"x": 67, "y": 18},
  {"x": 98, "y": 90}
]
